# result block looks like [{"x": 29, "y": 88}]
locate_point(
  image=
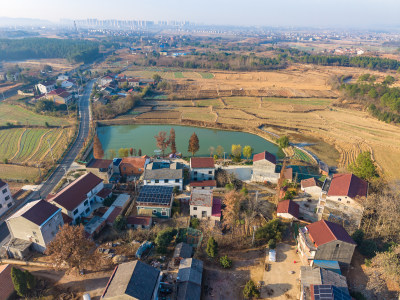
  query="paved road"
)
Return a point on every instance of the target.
[{"x": 68, "y": 159}]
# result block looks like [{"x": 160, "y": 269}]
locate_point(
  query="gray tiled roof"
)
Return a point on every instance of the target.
[
  {"x": 134, "y": 279},
  {"x": 190, "y": 269},
  {"x": 163, "y": 174},
  {"x": 183, "y": 250}
]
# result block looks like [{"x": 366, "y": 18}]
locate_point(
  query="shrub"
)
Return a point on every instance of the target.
[
  {"x": 271, "y": 244},
  {"x": 358, "y": 236},
  {"x": 244, "y": 191},
  {"x": 229, "y": 186},
  {"x": 212, "y": 247},
  {"x": 368, "y": 248},
  {"x": 283, "y": 141},
  {"x": 164, "y": 238},
  {"x": 194, "y": 223},
  {"x": 120, "y": 223},
  {"x": 250, "y": 290},
  {"x": 367, "y": 262},
  {"x": 23, "y": 281},
  {"x": 226, "y": 262},
  {"x": 272, "y": 230}
]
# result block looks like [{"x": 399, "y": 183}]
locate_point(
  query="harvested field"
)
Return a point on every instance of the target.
[
  {"x": 15, "y": 172},
  {"x": 197, "y": 113},
  {"x": 160, "y": 115},
  {"x": 210, "y": 102}
]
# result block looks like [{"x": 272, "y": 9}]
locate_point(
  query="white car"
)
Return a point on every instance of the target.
[{"x": 272, "y": 255}]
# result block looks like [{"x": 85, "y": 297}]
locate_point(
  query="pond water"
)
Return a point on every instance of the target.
[{"x": 142, "y": 137}]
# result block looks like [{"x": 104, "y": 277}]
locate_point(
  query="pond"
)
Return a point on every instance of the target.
[{"x": 142, "y": 137}]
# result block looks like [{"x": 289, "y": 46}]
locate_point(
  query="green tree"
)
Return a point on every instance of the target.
[
  {"x": 194, "y": 223},
  {"x": 364, "y": 167},
  {"x": 194, "y": 145},
  {"x": 212, "y": 247},
  {"x": 225, "y": 262},
  {"x": 272, "y": 244},
  {"x": 164, "y": 238},
  {"x": 157, "y": 78},
  {"x": 23, "y": 281},
  {"x": 283, "y": 141},
  {"x": 250, "y": 290},
  {"x": 120, "y": 223},
  {"x": 272, "y": 230},
  {"x": 247, "y": 151},
  {"x": 123, "y": 152},
  {"x": 236, "y": 152},
  {"x": 358, "y": 236}
]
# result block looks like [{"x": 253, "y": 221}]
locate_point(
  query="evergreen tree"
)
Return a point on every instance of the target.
[
  {"x": 19, "y": 281},
  {"x": 98, "y": 152},
  {"x": 193, "y": 144},
  {"x": 364, "y": 167},
  {"x": 212, "y": 247}
]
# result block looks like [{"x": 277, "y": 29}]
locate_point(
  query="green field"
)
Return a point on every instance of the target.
[
  {"x": 9, "y": 142},
  {"x": 300, "y": 155},
  {"x": 243, "y": 102},
  {"x": 178, "y": 75},
  {"x": 17, "y": 115},
  {"x": 15, "y": 172},
  {"x": 209, "y": 102},
  {"x": 298, "y": 101},
  {"x": 206, "y": 75}
]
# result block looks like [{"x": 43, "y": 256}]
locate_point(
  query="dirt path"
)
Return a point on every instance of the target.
[{"x": 19, "y": 144}]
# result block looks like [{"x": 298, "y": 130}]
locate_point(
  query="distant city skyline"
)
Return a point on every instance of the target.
[{"x": 297, "y": 13}]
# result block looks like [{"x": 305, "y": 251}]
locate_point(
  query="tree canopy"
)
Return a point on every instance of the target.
[
  {"x": 194, "y": 145},
  {"x": 364, "y": 167}
]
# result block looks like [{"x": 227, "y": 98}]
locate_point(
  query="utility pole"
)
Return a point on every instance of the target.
[
  {"x": 65, "y": 172},
  {"x": 51, "y": 150},
  {"x": 254, "y": 231},
  {"x": 256, "y": 196}
]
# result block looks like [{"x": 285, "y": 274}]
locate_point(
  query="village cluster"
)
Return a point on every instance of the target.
[{"x": 324, "y": 247}]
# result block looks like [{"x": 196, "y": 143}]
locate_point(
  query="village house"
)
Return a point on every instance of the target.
[
  {"x": 99, "y": 167},
  {"x": 203, "y": 185},
  {"x": 324, "y": 240},
  {"x": 311, "y": 186},
  {"x": 288, "y": 209},
  {"x": 77, "y": 199},
  {"x": 143, "y": 222},
  {"x": 318, "y": 282},
  {"x": 66, "y": 84},
  {"x": 264, "y": 165},
  {"x": 46, "y": 87},
  {"x": 62, "y": 77},
  {"x": 114, "y": 173},
  {"x": 37, "y": 222},
  {"x": 189, "y": 279},
  {"x": 164, "y": 177},
  {"x": 105, "y": 80},
  {"x": 155, "y": 201},
  {"x": 60, "y": 96},
  {"x": 133, "y": 82},
  {"x": 133, "y": 280},
  {"x": 202, "y": 168},
  {"x": 342, "y": 199},
  {"x": 203, "y": 205},
  {"x": 133, "y": 167},
  {"x": 6, "y": 200}
]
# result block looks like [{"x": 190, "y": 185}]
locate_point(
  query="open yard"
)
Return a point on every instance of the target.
[{"x": 20, "y": 116}]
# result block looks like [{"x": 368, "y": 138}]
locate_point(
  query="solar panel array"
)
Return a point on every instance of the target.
[
  {"x": 329, "y": 292},
  {"x": 151, "y": 194}
]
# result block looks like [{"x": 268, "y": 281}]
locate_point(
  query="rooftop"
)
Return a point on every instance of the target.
[
  {"x": 121, "y": 200},
  {"x": 216, "y": 207},
  {"x": 132, "y": 279},
  {"x": 204, "y": 183},
  {"x": 94, "y": 224},
  {"x": 190, "y": 269},
  {"x": 75, "y": 193},
  {"x": 288, "y": 207},
  {"x": 19, "y": 244},
  {"x": 161, "y": 174},
  {"x": 155, "y": 195},
  {"x": 348, "y": 185},
  {"x": 183, "y": 250},
  {"x": 202, "y": 162},
  {"x": 99, "y": 163},
  {"x": 133, "y": 165},
  {"x": 104, "y": 193},
  {"x": 2, "y": 183},
  {"x": 201, "y": 198},
  {"x": 309, "y": 182},
  {"x": 139, "y": 220},
  {"x": 7, "y": 287},
  {"x": 38, "y": 212},
  {"x": 323, "y": 232},
  {"x": 265, "y": 156}
]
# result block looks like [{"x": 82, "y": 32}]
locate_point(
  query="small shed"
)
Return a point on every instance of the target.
[
  {"x": 18, "y": 248},
  {"x": 182, "y": 250}
]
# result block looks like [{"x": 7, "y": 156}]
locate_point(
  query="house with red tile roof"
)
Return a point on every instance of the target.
[
  {"x": 202, "y": 168},
  {"x": 203, "y": 185},
  {"x": 136, "y": 222},
  {"x": 264, "y": 165},
  {"x": 288, "y": 209},
  {"x": 342, "y": 198},
  {"x": 76, "y": 199},
  {"x": 311, "y": 186},
  {"x": 6, "y": 284},
  {"x": 37, "y": 222},
  {"x": 324, "y": 240}
]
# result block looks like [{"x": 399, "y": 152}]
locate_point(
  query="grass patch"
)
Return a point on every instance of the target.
[
  {"x": 14, "y": 172},
  {"x": 17, "y": 115},
  {"x": 178, "y": 75},
  {"x": 206, "y": 75},
  {"x": 298, "y": 101}
]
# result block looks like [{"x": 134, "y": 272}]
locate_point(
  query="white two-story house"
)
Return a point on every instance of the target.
[
  {"x": 164, "y": 177},
  {"x": 6, "y": 200},
  {"x": 77, "y": 199},
  {"x": 37, "y": 222},
  {"x": 46, "y": 87},
  {"x": 202, "y": 168}
]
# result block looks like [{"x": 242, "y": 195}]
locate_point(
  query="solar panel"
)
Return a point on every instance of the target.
[{"x": 152, "y": 194}]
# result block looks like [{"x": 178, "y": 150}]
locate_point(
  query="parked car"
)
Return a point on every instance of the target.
[{"x": 272, "y": 255}]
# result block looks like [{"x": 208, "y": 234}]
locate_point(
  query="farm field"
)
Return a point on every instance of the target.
[
  {"x": 22, "y": 173},
  {"x": 31, "y": 145},
  {"x": 20, "y": 116},
  {"x": 209, "y": 102}
]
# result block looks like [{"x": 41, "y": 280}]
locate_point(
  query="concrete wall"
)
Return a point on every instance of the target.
[
  {"x": 335, "y": 250},
  {"x": 196, "y": 211},
  {"x": 312, "y": 190},
  {"x": 286, "y": 216},
  {"x": 200, "y": 174}
]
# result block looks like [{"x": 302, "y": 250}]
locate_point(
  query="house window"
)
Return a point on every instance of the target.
[
  {"x": 194, "y": 208},
  {"x": 86, "y": 203},
  {"x": 154, "y": 211},
  {"x": 165, "y": 180},
  {"x": 163, "y": 213},
  {"x": 76, "y": 211},
  {"x": 202, "y": 187},
  {"x": 87, "y": 210},
  {"x": 4, "y": 191},
  {"x": 195, "y": 173},
  {"x": 339, "y": 199},
  {"x": 9, "y": 204},
  {"x": 337, "y": 245},
  {"x": 203, "y": 214},
  {"x": 7, "y": 198},
  {"x": 210, "y": 172},
  {"x": 348, "y": 201},
  {"x": 156, "y": 181},
  {"x": 177, "y": 180}
]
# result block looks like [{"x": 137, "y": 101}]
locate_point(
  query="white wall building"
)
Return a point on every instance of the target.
[
  {"x": 201, "y": 202},
  {"x": 46, "y": 87},
  {"x": 202, "y": 168},
  {"x": 6, "y": 200},
  {"x": 164, "y": 177}
]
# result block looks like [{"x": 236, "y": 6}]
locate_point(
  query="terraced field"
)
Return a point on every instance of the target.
[
  {"x": 300, "y": 155},
  {"x": 31, "y": 145}
]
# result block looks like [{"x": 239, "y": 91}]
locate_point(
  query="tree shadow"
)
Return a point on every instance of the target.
[{"x": 275, "y": 290}]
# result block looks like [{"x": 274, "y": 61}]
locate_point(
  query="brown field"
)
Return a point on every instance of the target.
[
  {"x": 58, "y": 64},
  {"x": 22, "y": 173}
]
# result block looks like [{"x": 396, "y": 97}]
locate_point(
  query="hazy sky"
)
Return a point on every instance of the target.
[{"x": 320, "y": 13}]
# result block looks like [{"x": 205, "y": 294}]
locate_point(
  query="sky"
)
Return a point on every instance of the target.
[{"x": 314, "y": 13}]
